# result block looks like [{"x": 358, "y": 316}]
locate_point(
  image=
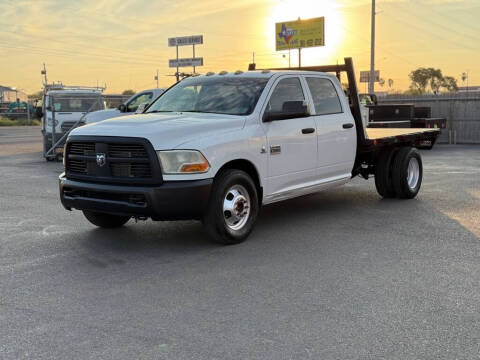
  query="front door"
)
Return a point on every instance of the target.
[{"x": 292, "y": 143}]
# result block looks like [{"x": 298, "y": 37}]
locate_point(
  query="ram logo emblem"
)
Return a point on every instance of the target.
[{"x": 101, "y": 160}]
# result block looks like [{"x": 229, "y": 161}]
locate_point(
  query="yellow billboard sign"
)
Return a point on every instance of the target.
[{"x": 300, "y": 34}]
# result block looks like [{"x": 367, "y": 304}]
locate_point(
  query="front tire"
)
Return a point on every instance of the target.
[
  {"x": 407, "y": 173},
  {"x": 233, "y": 208},
  {"x": 105, "y": 220}
]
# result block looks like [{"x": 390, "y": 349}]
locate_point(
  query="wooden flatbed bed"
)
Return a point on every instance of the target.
[{"x": 383, "y": 133}]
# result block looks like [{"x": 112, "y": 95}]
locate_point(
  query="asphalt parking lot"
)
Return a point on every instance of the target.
[{"x": 337, "y": 275}]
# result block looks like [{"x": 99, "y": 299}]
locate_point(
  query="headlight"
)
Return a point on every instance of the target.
[{"x": 183, "y": 162}]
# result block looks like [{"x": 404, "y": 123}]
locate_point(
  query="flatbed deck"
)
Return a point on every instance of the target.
[{"x": 384, "y": 133}]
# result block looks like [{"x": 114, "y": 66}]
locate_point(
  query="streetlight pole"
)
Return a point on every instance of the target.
[{"x": 371, "y": 85}]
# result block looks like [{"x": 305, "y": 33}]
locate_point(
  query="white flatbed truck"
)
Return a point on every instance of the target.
[{"x": 217, "y": 147}]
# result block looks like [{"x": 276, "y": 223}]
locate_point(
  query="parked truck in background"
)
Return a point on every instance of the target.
[
  {"x": 64, "y": 108},
  {"x": 217, "y": 147}
]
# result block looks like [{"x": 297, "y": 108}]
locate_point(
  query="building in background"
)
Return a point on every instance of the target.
[{"x": 9, "y": 95}]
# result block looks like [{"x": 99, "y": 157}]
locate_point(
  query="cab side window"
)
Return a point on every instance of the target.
[
  {"x": 286, "y": 91},
  {"x": 325, "y": 97},
  {"x": 140, "y": 99}
]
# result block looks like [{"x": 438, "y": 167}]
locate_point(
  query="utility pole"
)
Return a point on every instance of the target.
[
  {"x": 299, "y": 51},
  {"x": 156, "y": 78},
  {"x": 44, "y": 73},
  {"x": 194, "y": 58},
  {"x": 371, "y": 85},
  {"x": 467, "y": 81},
  {"x": 177, "y": 75}
]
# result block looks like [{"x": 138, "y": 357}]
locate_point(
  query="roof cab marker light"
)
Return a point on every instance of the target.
[
  {"x": 238, "y": 72},
  {"x": 265, "y": 71},
  {"x": 223, "y": 72},
  {"x": 210, "y": 73}
]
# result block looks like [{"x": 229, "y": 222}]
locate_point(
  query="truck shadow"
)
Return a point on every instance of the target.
[{"x": 151, "y": 237}]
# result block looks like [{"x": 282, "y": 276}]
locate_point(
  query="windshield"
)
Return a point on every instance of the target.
[
  {"x": 220, "y": 95},
  {"x": 77, "y": 103}
]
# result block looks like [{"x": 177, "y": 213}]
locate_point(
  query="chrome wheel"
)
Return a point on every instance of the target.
[
  {"x": 236, "y": 207},
  {"x": 413, "y": 173}
]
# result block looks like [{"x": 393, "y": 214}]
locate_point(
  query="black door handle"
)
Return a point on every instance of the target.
[
  {"x": 308, "y": 131},
  {"x": 347, "y": 126}
]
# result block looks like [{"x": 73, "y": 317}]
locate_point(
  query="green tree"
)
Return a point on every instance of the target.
[
  {"x": 423, "y": 79},
  {"x": 128, "y": 92},
  {"x": 450, "y": 83},
  {"x": 36, "y": 96},
  {"x": 419, "y": 79}
]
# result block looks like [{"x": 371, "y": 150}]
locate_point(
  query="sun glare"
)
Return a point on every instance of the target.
[{"x": 289, "y": 10}]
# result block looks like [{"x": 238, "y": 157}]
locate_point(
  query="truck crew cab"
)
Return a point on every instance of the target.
[{"x": 218, "y": 146}]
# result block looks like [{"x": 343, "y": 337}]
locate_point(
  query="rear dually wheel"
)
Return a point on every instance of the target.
[{"x": 407, "y": 173}]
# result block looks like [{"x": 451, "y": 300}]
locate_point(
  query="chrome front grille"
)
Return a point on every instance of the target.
[{"x": 103, "y": 159}]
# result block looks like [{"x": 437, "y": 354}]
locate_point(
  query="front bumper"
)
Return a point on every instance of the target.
[{"x": 175, "y": 200}]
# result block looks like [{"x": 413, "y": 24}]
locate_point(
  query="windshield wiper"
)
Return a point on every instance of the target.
[
  {"x": 203, "y": 112},
  {"x": 159, "y": 111}
]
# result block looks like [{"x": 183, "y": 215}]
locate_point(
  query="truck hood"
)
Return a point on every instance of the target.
[
  {"x": 101, "y": 115},
  {"x": 165, "y": 131}
]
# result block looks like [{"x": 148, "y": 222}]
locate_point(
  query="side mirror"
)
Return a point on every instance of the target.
[
  {"x": 122, "y": 108},
  {"x": 48, "y": 108},
  {"x": 141, "y": 108},
  {"x": 290, "y": 110}
]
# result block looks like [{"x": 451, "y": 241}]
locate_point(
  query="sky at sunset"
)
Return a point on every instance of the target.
[{"x": 123, "y": 43}]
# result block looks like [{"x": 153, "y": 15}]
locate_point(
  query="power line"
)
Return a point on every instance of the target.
[{"x": 450, "y": 30}]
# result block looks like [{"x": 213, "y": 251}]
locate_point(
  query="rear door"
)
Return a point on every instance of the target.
[
  {"x": 336, "y": 134},
  {"x": 292, "y": 144}
]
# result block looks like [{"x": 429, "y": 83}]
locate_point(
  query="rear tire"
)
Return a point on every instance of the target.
[
  {"x": 105, "y": 220},
  {"x": 383, "y": 174},
  {"x": 233, "y": 208},
  {"x": 407, "y": 172}
]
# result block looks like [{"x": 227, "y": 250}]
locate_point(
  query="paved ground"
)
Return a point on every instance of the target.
[
  {"x": 20, "y": 139},
  {"x": 337, "y": 275}
]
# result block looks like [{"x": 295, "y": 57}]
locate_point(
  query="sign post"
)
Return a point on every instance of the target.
[
  {"x": 300, "y": 34},
  {"x": 185, "y": 41},
  {"x": 365, "y": 76},
  {"x": 184, "y": 62}
]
